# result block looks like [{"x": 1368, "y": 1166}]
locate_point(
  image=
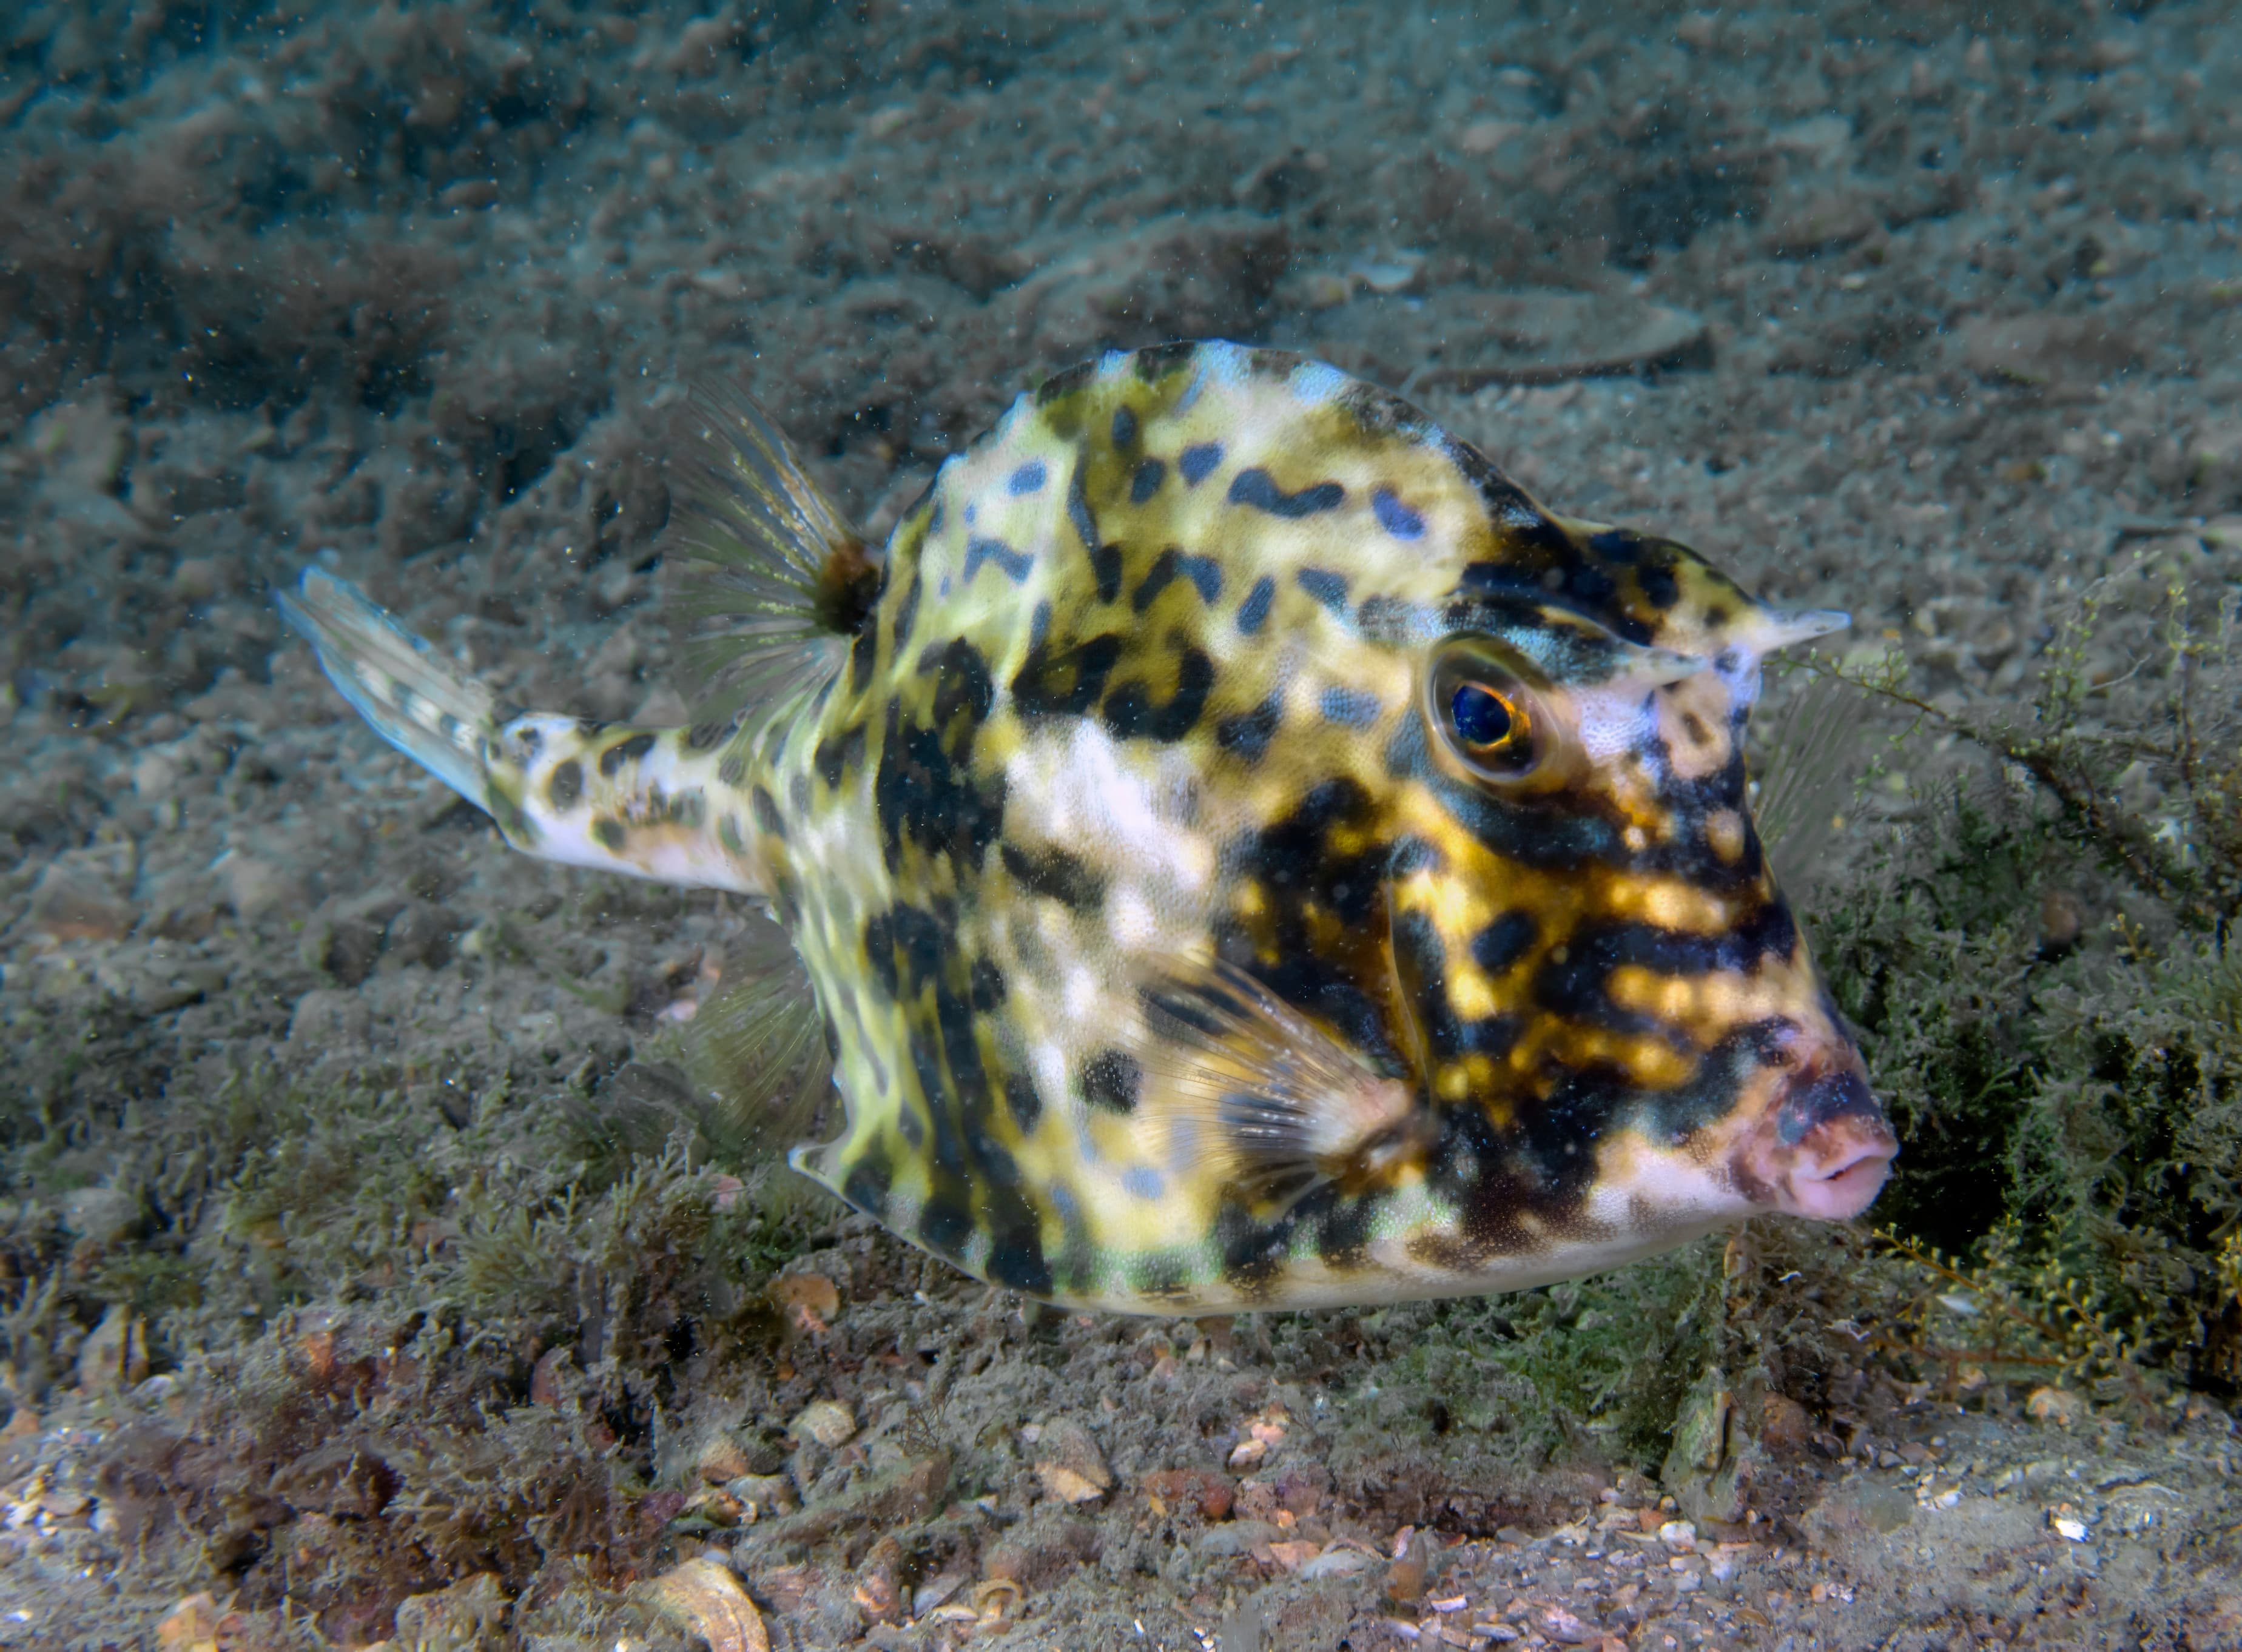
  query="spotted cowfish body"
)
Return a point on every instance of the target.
[{"x": 1248, "y": 854}]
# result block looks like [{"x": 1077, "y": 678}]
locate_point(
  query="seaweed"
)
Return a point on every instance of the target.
[{"x": 2066, "y": 1090}]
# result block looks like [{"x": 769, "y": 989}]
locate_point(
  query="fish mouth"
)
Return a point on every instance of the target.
[{"x": 1823, "y": 1150}]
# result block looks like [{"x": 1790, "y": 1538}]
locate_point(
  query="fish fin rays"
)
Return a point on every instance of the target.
[
  {"x": 429, "y": 709},
  {"x": 754, "y": 1051},
  {"x": 1244, "y": 1083},
  {"x": 769, "y": 580}
]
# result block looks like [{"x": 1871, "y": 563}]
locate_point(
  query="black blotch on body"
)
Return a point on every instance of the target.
[
  {"x": 866, "y": 1183},
  {"x": 624, "y": 751},
  {"x": 1111, "y": 1079},
  {"x": 1052, "y": 872},
  {"x": 1172, "y": 564},
  {"x": 1020, "y": 1096},
  {"x": 1257, "y": 489},
  {"x": 837, "y": 754},
  {"x": 1105, "y": 566},
  {"x": 1306, "y": 880},
  {"x": 863, "y": 654},
  {"x": 565, "y": 785},
  {"x": 1129, "y": 712},
  {"x": 1124, "y": 428},
  {"x": 1391, "y": 620},
  {"x": 925, "y": 791},
  {"x": 1420, "y": 962},
  {"x": 1578, "y": 986},
  {"x": 1503, "y": 942},
  {"x": 1247, "y": 734},
  {"x": 1064, "y": 681},
  {"x": 767, "y": 819},
  {"x": 610, "y": 834},
  {"x": 907, "y": 611}
]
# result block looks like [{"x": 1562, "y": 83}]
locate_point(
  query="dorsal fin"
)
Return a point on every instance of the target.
[{"x": 771, "y": 580}]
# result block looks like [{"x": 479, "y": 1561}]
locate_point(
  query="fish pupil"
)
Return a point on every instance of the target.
[{"x": 1481, "y": 717}]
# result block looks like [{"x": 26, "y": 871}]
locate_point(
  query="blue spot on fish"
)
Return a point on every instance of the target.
[
  {"x": 1326, "y": 587},
  {"x": 1253, "y": 612},
  {"x": 1394, "y": 516},
  {"x": 1015, "y": 563},
  {"x": 1028, "y": 479},
  {"x": 1349, "y": 707},
  {"x": 1258, "y": 489},
  {"x": 1198, "y": 461},
  {"x": 1141, "y": 1183}
]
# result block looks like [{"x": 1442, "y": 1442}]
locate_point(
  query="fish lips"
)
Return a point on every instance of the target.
[{"x": 1823, "y": 1149}]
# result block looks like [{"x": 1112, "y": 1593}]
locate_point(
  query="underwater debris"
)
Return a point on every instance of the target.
[{"x": 704, "y": 1596}]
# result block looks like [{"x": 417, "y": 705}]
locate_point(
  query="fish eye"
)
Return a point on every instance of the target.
[
  {"x": 1482, "y": 716},
  {"x": 1491, "y": 718}
]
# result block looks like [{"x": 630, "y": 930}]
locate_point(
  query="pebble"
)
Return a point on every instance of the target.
[
  {"x": 1070, "y": 1464},
  {"x": 827, "y": 1421}
]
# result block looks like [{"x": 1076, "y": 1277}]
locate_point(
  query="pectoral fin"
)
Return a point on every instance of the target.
[{"x": 1246, "y": 1083}]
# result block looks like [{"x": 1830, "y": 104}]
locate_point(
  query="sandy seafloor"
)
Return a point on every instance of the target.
[{"x": 411, "y": 288}]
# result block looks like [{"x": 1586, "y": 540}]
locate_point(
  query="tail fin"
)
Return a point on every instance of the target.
[
  {"x": 433, "y": 713},
  {"x": 773, "y": 580}
]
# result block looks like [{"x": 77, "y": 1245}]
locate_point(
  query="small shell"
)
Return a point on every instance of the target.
[{"x": 705, "y": 1597}]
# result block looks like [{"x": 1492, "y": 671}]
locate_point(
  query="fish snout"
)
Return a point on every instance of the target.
[{"x": 1825, "y": 1149}]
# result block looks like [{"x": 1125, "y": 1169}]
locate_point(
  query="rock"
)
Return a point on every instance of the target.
[
  {"x": 1336, "y": 1562},
  {"x": 256, "y": 887},
  {"x": 2046, "y": 351},
  {"x": 1465, "y": 338},
  {"x": 1785, "y": 1425},
  {"x": 2059, "y": 1406},
  {"x": 827, "y": 1421},
  {"x": 115, "y": 1357},
  {"x": 194, "y": 1625},
  {"x": 1714, "y": 1460},
  {"x": 1185, "y": 277},
  {"x": 103, "y": 1215},
  {"x": 462, "y": 1618},
  {"x": 1070, "y": 1464},
  {"x": 326, "y": 1019},
  {"x": 808, "y": 1300},
  {"x": 1211, "y": 1494},
  {"x": 339, "y": 1479},
  {"x": 764, "y": 1494},
  {"x": 1406, "y": 1576},
  {"x": 1237, "y": 1537},
  {"x": 1566, "y": 1629},
  {"x": 896, "y": 1498},
  {"x": 1041, "y": 1551},
  {"x": 420, "y": 933},
  {"x": 1813, "y": 218},
  {"x": 69, "y": 905},
  {"x": 342, "y": 949},
  {"x": 721, "y": 1460}
]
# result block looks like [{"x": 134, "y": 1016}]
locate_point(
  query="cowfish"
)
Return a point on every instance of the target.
[{"x": 1240, "y": 849}]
